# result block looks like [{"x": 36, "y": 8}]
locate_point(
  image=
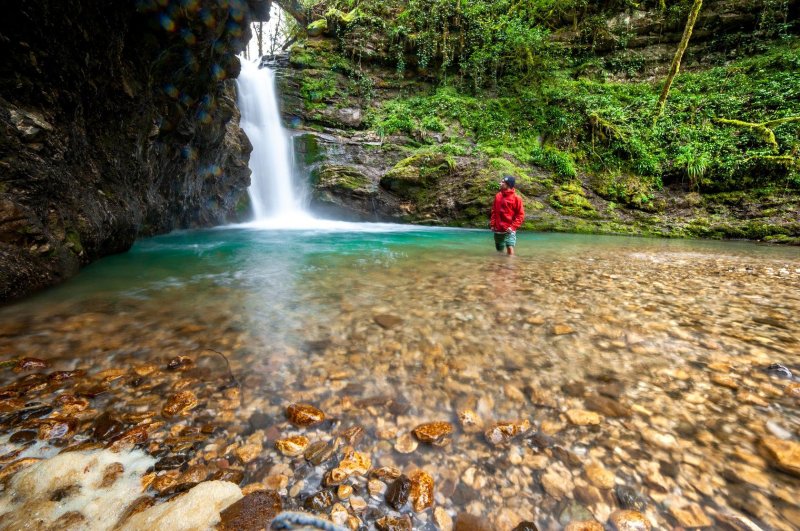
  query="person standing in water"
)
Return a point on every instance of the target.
[{"x": 507, "y": 216}]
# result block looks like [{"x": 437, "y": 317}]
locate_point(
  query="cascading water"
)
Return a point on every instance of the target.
[{"x": 272, "y": 193}]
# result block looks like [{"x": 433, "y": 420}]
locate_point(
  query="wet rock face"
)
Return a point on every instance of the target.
[{"x": 127, "y": 128}]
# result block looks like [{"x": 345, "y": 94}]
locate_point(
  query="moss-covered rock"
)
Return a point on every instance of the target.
[
  {"x": 344, "y": 179},
  {"x": 570, "y": 200},
  {"x": 413, "y": 174},
  {"x": 317, "y": 28}
]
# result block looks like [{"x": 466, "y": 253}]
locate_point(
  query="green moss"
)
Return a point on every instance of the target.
[
  {"x": 318, "y": 87},
  {"x": 409, "y": 177},
  {"x": 74, "y": 241},
  {"x": 623, "y": 188},
  {"x": 308, "y": 149},
  {"x": 344, "y": 178},
  {"x": 569, "y": 199},
  {"x": 783, "y": 238},
  {"x": 407, "y": 174},
  {"x": 318, "y": 27}
]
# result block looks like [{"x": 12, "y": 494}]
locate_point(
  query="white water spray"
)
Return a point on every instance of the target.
[{"x": 272, "y": 193}]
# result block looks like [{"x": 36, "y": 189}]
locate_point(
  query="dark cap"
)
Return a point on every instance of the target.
[{"x": 509, "y": 180}]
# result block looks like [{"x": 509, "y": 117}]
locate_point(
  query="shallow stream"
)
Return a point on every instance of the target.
[{"x": 640, "y": 364}]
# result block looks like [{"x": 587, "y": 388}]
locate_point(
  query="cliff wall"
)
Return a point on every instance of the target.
[{"x": 117, "y": 120}]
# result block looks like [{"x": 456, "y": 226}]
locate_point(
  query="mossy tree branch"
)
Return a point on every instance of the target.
[
  {"x": 763, "y": 129},
  {"x": 676, "y": 61}
]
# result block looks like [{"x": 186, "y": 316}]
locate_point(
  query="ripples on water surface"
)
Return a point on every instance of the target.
[{"x": 640, "y": 363}]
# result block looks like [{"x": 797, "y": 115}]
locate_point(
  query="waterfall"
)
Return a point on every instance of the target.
[
  {"x": 273, "y": 196},
  {"x": 272, "y": 192}
]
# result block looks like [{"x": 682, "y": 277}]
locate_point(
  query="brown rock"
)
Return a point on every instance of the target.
[
  {"x": 292, "y": 446},
  {"x": 421, "y": 493},
  {"x": 606, "y": 406},
  {"x": 69, "y": 520},
  {"x": 469, "y": 420},
  {"x": 394, "y": 523},
  {"x": 467, "y": 522},
  {"x": 623, "y": 520},
  {"x": 352, "y": 435},
  {"x": 319, "y": 452},
  {"x": 562, "y": 329},
  {"x": 248, "y": 452},
  {"x": 386, "y": 473},
  {"x": 581, "y": 417},
  {"x": 254, "y": 512},
  {"x": 725, "y": 380},
  {"x": 398, "y": 492},
  {"x": 60, "y": 376},
  {"x": 746, "y": 397},
  {"x": 180, "y": 363},
  {"x": 433, "y": 432},
  {"x": 179, "y": 404},
  {"x": 731, "y": 521},
  {"x": 792, "y": 390},
  {"x": 304, "y": 415},
  {"x": 194, "y": 474},
  {"x": 405, "y": 444},
  {"x": 135, "y": 435},
  {"x": 233, "y": 475},
  {"x": 690, "y": 516},
  {"x": 110, "y": 475},
  {"x": 344, "y": 492},
  {"x": 783, "y": 455},
  {"x": 599, "y": 476},
  {"x": 443, "y": 520},
  {"x": 56, "y": 428},
  {"x": 557, "y": 481},
  {"x": 586, "y": 525},
  {"x": 587, "y": 495},
  {"x": 503, "y": 432},
  {"x": 71, "y": 404},
  {"x": 540, "y": 397},
  {"x": 387, "y": 321},
  {"x": 319, "y": 501},
  {"x": 165, "y": 481},
  {"x": 354, "y": 462},
  {"x": 15, "y": 466},
  {"x": 334, "y": 477},
  {"x": 30, "y": 364}
]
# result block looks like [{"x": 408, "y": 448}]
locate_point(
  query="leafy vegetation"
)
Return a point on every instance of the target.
[
  {"x": 554, "y": 85},
  {"x": 605, "y": 128}
]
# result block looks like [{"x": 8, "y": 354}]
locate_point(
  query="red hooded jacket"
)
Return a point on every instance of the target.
[{"x": 507, "y": 211}]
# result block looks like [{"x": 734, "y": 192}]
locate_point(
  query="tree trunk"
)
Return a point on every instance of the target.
[
  {"x": 676, "y": 61},
  {"x": 260, "y": 38},
  {"x": 273, "y": 37},
  {"x": 296, "y": 9}
]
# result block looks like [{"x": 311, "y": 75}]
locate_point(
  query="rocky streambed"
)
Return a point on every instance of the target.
[{"x": 588, "y": 384}]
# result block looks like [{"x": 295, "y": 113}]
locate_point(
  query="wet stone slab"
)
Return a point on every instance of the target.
[{"x": 601, "y": 387}]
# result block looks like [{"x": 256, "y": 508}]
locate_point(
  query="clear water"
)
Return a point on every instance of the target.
[{"x": 659, "y": 322}]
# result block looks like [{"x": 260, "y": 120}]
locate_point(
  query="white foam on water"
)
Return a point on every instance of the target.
[{"x": 74, "y": 482}]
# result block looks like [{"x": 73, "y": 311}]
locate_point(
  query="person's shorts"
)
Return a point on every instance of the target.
[{"x": 504, "y": 239}]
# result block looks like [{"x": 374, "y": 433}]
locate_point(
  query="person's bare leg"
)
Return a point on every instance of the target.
[{"x": 510, "y": 250}]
